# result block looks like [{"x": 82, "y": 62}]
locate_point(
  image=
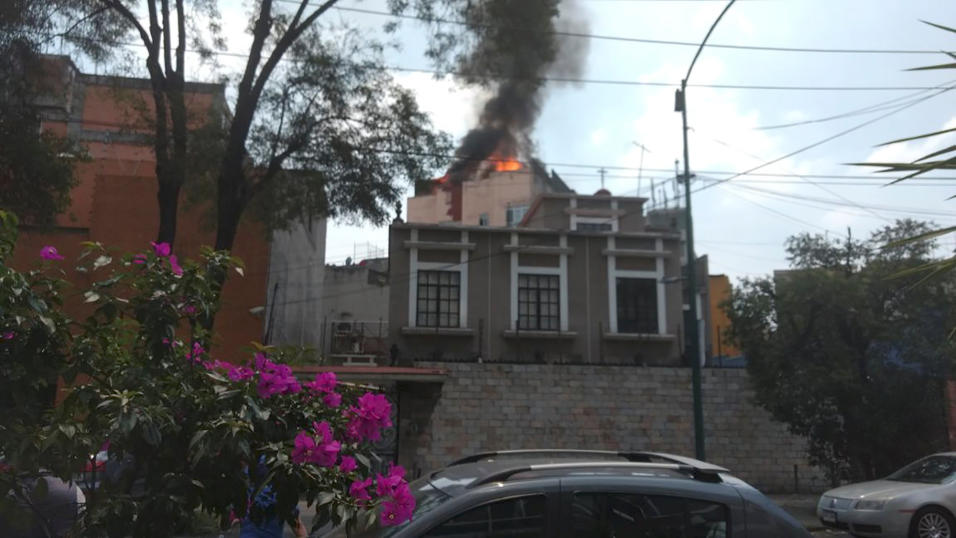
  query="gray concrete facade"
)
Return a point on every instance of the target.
[
  {"x": 296, "y": 271},
  {"x": 590, "y": 244}
]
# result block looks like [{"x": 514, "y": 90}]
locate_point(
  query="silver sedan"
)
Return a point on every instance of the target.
[{"x": 918, "y": 501}]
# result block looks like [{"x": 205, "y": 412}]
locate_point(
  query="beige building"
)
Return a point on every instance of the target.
[
  {"x": 491, "y": 199},
  {"x": 581, "y": 279}
]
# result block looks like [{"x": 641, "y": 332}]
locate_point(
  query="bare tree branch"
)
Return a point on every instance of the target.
[{"x": 128, "y": 15}]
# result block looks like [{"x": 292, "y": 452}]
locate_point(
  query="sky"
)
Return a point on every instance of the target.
[{"x": 741, "y": 224}]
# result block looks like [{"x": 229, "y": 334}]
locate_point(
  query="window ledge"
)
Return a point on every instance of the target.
[
  {"x": 439, "y": 245},
  {"x": 538, "y": 249},
  {"x": 635, "y": 253},
  {"x": 539, "y": 334},
  {"x": 441, "y": 331},
  {"x": 639, "y": 337}
]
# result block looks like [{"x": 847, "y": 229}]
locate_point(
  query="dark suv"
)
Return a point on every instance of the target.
[{"x": 585, "y": 494}]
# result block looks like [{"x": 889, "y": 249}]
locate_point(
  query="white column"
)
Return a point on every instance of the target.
[
  {"x": 563, "y": 283},
  {"x": 611, "y": 286},
  {"x": 661, "y": 289},
  {"x": 413, "y": 280},
  {"x": 463, "y": 289}
]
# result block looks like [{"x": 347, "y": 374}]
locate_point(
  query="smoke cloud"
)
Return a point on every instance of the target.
[{"x": 516, "y": 44}]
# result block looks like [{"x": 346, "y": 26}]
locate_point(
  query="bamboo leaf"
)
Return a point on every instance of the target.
[
  {"x": 940, "y": 26},
  {"x": 930, "y": 67},
  {"x": 917, "y": 137},
  {"x": 923, "y": 237},
  {"x": 937, "y": 152}
]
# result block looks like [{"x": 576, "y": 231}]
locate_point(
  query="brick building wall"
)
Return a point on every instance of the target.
[{"x": 512, "y": 406}]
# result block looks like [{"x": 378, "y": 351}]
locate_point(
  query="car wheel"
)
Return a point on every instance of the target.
[{"x": 932, "y": 523}]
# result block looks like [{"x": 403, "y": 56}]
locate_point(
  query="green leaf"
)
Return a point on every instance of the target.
[
  {"x": 102, "y": 261},
  {"x": 940, "y": 26},
  {"x": 363, "y": 459},
  {"x": 930, "y": 67},
  {"x": 917, "y": 137},
  {"x": 50, "y": 326},
  {"x": 69, "y": 430},
  {"x": 923, "y": 237},
  {"x": 240, "y": 271},
  {"x": 91, "y": 297}
]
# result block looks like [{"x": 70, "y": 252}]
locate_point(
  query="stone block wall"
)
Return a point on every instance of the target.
[{"x": 483, "y": 407}]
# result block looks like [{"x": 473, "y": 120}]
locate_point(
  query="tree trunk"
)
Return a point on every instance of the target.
[{"x": 168, "y": 198}]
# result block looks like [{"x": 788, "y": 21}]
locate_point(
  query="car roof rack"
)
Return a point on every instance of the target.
[
  {"x": 704, "y": 475},
  {"x": 633, "y": 457}
]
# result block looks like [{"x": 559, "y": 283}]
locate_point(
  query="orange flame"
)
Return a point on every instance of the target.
[{"x": 506, "y": 164}]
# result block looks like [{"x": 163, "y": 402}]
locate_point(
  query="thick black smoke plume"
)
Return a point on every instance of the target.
[{"x": 515, "y": 44}]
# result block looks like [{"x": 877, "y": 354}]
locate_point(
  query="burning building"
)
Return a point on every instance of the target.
[{"x": 495, "y": 195}]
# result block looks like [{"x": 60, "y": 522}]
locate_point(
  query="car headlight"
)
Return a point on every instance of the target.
[{"x": 864, "y": 504}]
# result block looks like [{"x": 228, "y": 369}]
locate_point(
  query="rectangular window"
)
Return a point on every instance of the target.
[
  {"x": 522, "y": 517},
  {"x": 538, "y": 302},
  {"x": 438, "y": 299},
  {"x": 597, "y": 515},
  {"x": 594, "y": 227},
  {"x": 483, "y": 219},
  {"x": 637, "y": 305},
  {"x": 514, "y": 214}
]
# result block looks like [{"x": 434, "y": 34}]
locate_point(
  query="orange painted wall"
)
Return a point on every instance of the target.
[
  {"x": 720, "y": 323},
  {"x": 115, "y": 204}
]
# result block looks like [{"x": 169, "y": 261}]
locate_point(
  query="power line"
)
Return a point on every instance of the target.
[
  {"x": 827, "y": 139},
  {"x": 876, "y": 107},
  {"x": 626, "y": 39},
  {"x": 608, "y": 82}
]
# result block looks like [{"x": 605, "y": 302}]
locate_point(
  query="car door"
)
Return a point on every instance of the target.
[
  {"x": 515, "y": 514},
  {"x": 629, "y": 508}
]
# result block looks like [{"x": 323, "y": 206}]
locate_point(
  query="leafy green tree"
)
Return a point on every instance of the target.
[
  {"x": 849, "y": 355},
  {"x": 317, "y": 126},
  {"x": 188, "y": 431},
  {"x": 36, "y": 168}
]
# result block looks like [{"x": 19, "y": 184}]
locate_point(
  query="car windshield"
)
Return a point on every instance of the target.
[
  {"x": 931, "y": 470},
  {"x": 429, "y": 493}
]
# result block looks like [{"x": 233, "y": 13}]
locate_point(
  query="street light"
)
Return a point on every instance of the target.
[{"x": 693, "y": 335}]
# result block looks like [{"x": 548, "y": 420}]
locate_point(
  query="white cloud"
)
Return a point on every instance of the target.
[
  {"x": 451, "y": 106},
  {"x": 598, "y": 137}
]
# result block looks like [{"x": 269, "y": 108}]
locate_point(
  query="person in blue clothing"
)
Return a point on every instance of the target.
[{"x": 262, "y": 520}]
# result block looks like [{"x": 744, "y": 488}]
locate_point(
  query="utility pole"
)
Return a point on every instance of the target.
[
  {"x": 640, "y": 167},
  {"x": 602, "y": 172},
  {"x": 693, "y": 330}
]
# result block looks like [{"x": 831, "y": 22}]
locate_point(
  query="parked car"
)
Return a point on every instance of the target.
[
  {"x": 917, "y": 501},
  {"x": 585, "y": 494}
]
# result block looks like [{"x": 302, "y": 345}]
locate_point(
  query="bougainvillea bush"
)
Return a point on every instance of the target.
[{"x": 185, "y": 429}]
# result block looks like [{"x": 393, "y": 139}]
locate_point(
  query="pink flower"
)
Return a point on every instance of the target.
[
  {"x": 240, "y": 373},
  {"x": 304, "y": 448},
  {"x": 323, "y": 452},
  {"x": 161, "y": 249},
  {"x": 367, "y": 420},
  {"x": 189, "y": 309},
  {"x": 387, "y": 486},
  {"x": 347, "y": 465},
  {"x": 49, "y": 253},
  {"x": 399, "y": 509},
  {"x": 8, "y": 335},
  {"x": 262, "y": 362},
  {"x": 196, "y": 353},
  {"x": 174, "y": 263},
  {"x": 172, "y": 343},
  {"x": 332, "y": 399},
  {"x": 139, "y": 259},
  {"x": 324, "y": 382},
  {"x": 359, "y": 490}
]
